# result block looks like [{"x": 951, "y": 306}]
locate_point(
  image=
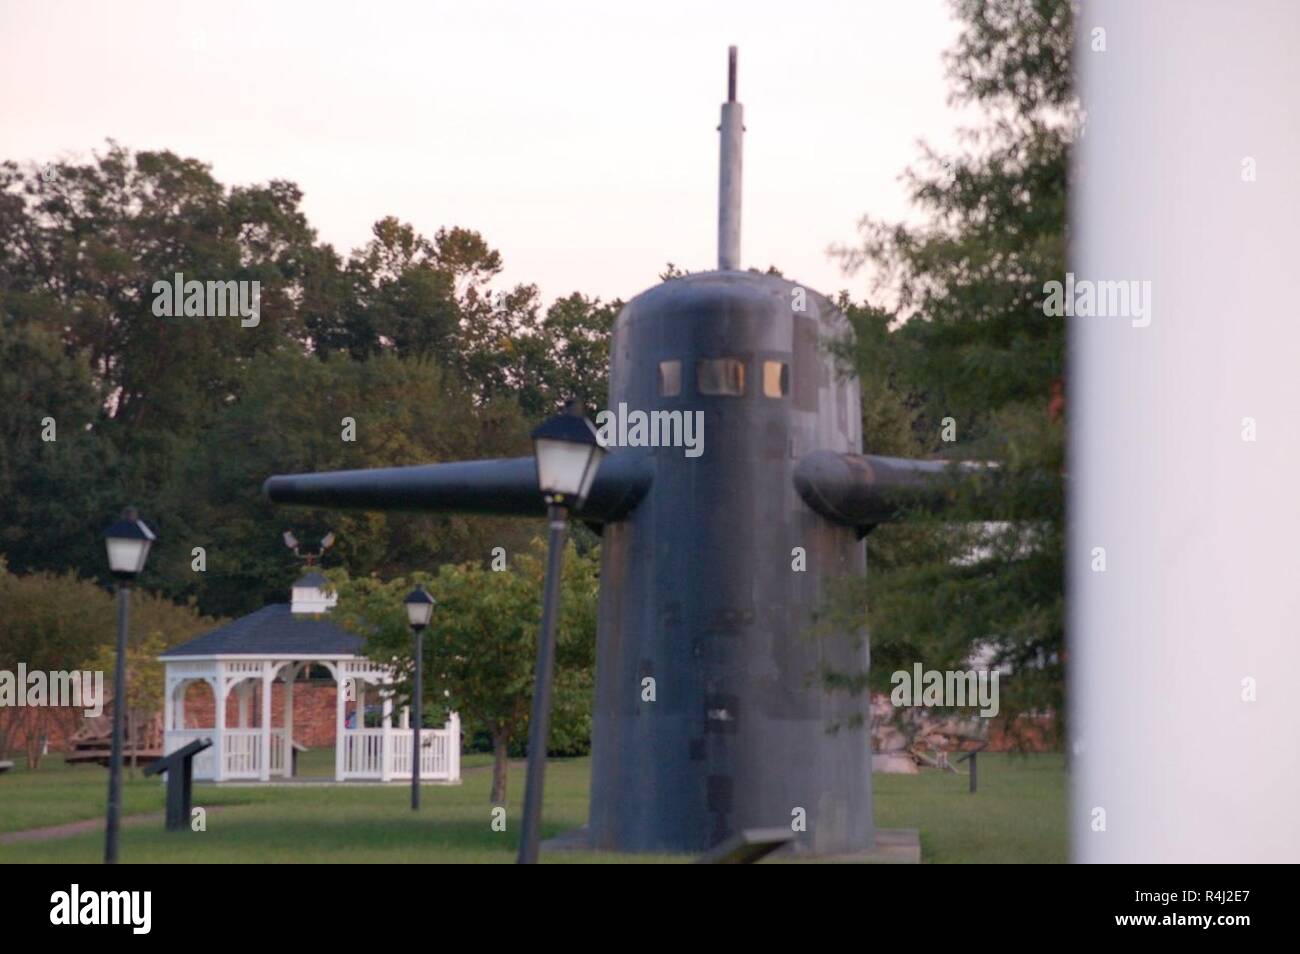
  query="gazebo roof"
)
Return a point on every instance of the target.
[{"x": 273, "y": 630}]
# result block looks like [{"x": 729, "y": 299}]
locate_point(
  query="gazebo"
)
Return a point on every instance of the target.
[{"x": 274, "y": 644}]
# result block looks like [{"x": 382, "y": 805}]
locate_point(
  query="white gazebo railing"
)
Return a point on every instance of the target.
[
  {"x": 363, "y": 753},
  {"x": 386, "y": 753}
]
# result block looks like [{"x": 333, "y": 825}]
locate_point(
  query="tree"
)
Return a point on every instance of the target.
[
  {"x": 145, "y": 683},
  {"x": 54, "y": 623},
  {"x": 130, "y": 393},
  {"x": 52, "y": 468},
  {"x": 974, "y": 353},
  {"x": 481, "y": 647},
  {"x": 291, "y": 419},
  {"x": 567, "y": 355},
  {"x": 103, "y": 403},
  {"x": 91, "y": 241}
]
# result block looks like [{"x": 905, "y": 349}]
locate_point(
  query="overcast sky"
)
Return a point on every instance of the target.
[{"x": 578, "y": 137}]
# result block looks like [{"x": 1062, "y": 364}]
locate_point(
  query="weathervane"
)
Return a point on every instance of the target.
[{"x": 310, "y": 558}]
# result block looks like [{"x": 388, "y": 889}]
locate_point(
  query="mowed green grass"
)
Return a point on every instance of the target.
[{"x": 1017, "y": 816}]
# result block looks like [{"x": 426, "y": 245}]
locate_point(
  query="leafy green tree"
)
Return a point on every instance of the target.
[
  {"x": 58, "y": 622},
  {"x": 567, "y": 355},
  {"x": 976, "y": 360},
  {"x": 481, "y": 647},
  {"x": 97, "y": 236},
  {"x": 291, "y": 419},
  {"x": 186, "y": 417},
  {"x": 131, "y": 392},
  {"x": 145, "y": 684},
  {"x": 52, "y": 467}
]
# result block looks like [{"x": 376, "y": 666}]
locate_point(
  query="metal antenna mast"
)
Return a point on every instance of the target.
[{"x": 732, "y": 128}]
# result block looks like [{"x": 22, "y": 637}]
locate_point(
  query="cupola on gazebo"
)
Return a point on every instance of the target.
[{"x": 274, "y": 644}]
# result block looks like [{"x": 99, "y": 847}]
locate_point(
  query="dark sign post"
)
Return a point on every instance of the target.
[
  {"x": 179, "y": 767},
  {"x": 973, "y": 756}
]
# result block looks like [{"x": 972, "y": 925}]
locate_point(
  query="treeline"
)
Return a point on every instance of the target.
[
  {"x": 409, "y": 338},
  {"x": 102, "y": 402}
]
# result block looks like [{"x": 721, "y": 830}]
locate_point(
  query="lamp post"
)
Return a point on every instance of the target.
[
  {"x": 419, "y": 610},
  {"x": 568, "y": 452},
  {"x": 128, "y": 543}
]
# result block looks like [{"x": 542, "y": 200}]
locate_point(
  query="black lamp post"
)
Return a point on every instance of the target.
[
  {"x": 568, "y": 452},
  {"x": 128, "y": 543},
  {"x": 419, "y": 610}
]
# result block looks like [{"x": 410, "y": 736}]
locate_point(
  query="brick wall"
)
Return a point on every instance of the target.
[{"x": 313, "y": 710}]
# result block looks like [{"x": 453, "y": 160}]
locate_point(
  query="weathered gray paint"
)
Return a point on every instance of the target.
[{"x": 698, "y": 589}]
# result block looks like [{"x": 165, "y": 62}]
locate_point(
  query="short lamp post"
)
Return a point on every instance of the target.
[
  {"x": 568, "y": 452},
  {"x": 128, "y": 543},
  {"x": 419, "y": 611}
]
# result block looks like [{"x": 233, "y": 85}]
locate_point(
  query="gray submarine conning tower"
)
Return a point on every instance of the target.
[
  {"x": 710, "y": 584},
  {"x": 714, "y": 565}
]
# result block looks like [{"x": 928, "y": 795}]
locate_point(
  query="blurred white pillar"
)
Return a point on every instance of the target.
[{"x": 1201, "y": 528}]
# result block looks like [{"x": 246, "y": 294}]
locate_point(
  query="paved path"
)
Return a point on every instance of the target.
[{"x": 54, "y": 832}]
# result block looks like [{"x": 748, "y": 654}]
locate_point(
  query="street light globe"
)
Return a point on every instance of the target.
[
  {"x": 569, "y": 451},
  {"x": 128, "y": 543},
  {"x": 419, "y": 607}
]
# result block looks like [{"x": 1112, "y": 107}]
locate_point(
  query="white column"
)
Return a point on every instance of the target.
[
  {"x": 169, "y": 709},
  {"x": 178, "y": 704},
  {"x": 386, "y": 770},
  {"x": 453, "y": 747},
  {"x": 1184, "y": 437},
  {"x": 340, "y": 742},
  {"x": 290, "y": 674},
  {"x": 268, "y": 674},
  {"x": 242, "y": 692},
  {"x": 219, "y": 721}
]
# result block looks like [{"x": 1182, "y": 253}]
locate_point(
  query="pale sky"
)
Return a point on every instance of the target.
[{"x": 578, "y": 137}]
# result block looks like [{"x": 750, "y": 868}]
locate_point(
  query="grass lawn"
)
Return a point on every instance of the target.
[{"x": 1017, "y": 816}]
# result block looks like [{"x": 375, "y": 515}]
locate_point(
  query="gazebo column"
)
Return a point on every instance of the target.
[
  {"x": 178, "y": 705},
  {"x": 219, "y": 690},
  {"x": 453, "y": 747},
  {"x": 340, "y": 742},
  {"x": 290, "y": 674},
  {"x": 386, "y": 766},
  {"x": 169, "y": 707},
  {"x": 268, "y": 674}
]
